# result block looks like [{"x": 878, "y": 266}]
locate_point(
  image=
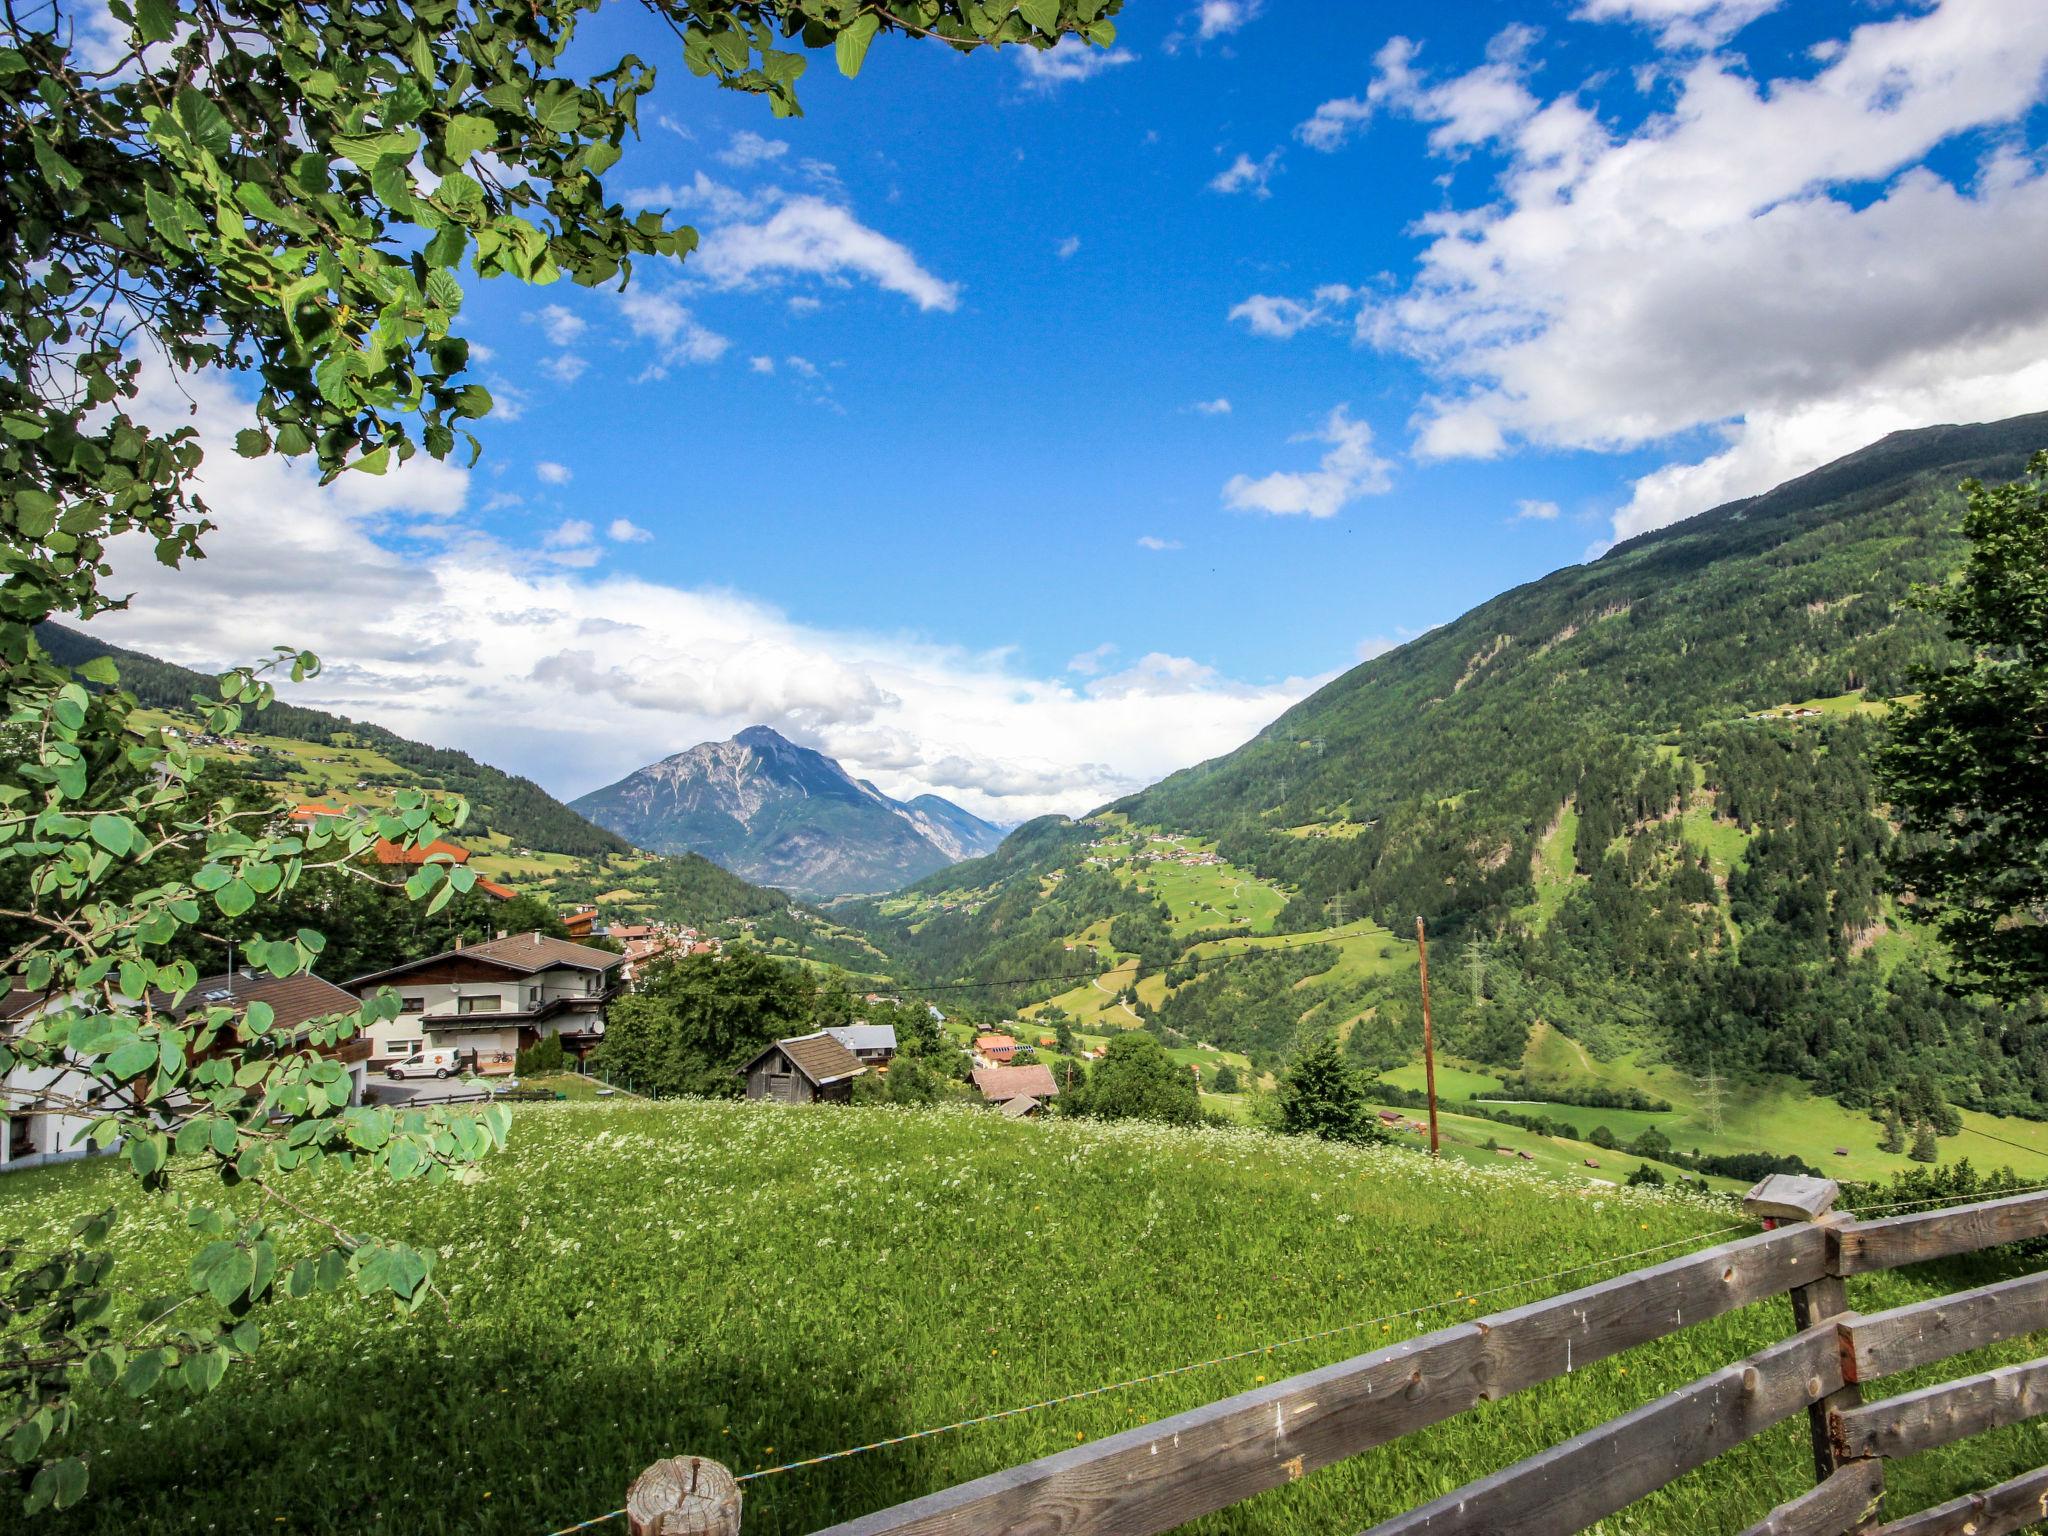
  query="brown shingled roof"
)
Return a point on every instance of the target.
[
  {"x": 999, "y": 1083},
  {"x": 819, "y": 1057},
  {"x": 524, "y": 953},
  {"x": 295, "y": 1000}
]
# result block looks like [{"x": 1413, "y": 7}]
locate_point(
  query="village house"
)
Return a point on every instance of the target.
[
  {"x": 495, "y": 998},
  {"x": 873, "y": 1044},
  {"x": 1005, "y": 1087},
  {"x": 809, "y": 1069},
  {"x": 39, "y": 1130},
  {"x": 994, "y": 1050},
  {"x": 392, "y": 855}
]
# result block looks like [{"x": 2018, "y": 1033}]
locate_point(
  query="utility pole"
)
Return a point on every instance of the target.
[
  {"x": 1710, "y": 1097},
  {"x": 1337, "y": 910},
  {"x": 1428, "y": 1036}
]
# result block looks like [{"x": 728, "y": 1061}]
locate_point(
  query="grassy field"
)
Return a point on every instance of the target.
[{"x": 761, "y": 1285}]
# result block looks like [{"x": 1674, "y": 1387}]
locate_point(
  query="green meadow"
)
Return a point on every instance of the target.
[{"x": 761, "y": 1284}]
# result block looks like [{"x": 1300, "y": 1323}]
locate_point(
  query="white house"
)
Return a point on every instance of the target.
[{"x": 495, "y": 998}]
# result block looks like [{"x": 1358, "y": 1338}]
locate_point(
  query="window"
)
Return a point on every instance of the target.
[
  {"x": 492, "y": 1003},
  {"x": 532, "y": 996},
  {"x": 403, "y": 1047},
  {"x": 412, "y": 1005}
]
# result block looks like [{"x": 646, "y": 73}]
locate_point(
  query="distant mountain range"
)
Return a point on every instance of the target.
[{"x": 783, "y": 815}]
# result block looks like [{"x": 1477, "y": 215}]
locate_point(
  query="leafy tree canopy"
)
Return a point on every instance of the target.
[{"x": 1967, "y": 764}]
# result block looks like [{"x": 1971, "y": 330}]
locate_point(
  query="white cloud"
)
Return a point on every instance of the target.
[
  {"x": 568, "y": 534},
  {"x": 1349, "y": 470},
  {"x": 1219, "y": 18},
  {"x": 678, "y": 336},
  {"x": 1770, "y": 259},
  {"x": 761, "y": 364},
  {"x": 1536, "y": 511},
  {"x": 565, "y": 367},
  {"x": 1277, "y": 316},
  {"x": 801, "y": 366},
  {"x": 1244, "y": 174},
  {"x": 1066, "y": 248},
  {"x": 508, "y": 400},
  {"x": 810, "y": 237},
  {"x": 1474, "y": 108},
  {"x": 1153, "y": 541},
  {"x": 1089, "y": 662},
  {"x": 1046, "y": 69},
  {"x": 577, "y": 674},
  {"x": 1220, "y": 406},
  {"x": 1681, "y": 24},
  {"x": 560, "y": 324},
  {"x": 1373, "y": 646},
  {"x": 623, "y": 530},
  {"x": 551, "y": 473},
  {"x": 747, "y": 148}
]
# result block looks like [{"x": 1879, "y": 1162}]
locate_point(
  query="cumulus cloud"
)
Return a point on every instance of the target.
[
  {"x": 1536, "y": 511},
  {"x": 1774, "y": 260},
  {"x": 679, "y": 337},
  {"x": 747, "y": 148},
  {"x": 1220, "y": 18},
  {"x": 1066, "y": 248},
  {"x": 624, "y": 530},
  {"x": 1220, "y": 406},
  {"x": 1072, "y": 59},
  {"x": 1681, "y": 24},
  {"x": 808, "y": 236},
  {"x": 1244, "y": 174},
  {"x": 1348, "y": 470},
  {"x": 769, "y": 235},
  {"x": 560, "y": 324},
  {"x": 575, "y": 674},
  {"x": 565, "y": 367},
  {"x": 551, "y": 473},
  {"x": 761, "y": 364},
  {"x": 1277, "y": 316},
  {"x": 1473, "y": 108},
  {"x": 1154, "y": 542}
]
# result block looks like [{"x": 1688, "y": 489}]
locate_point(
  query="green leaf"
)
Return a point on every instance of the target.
[
  {"x": 114, "y": 833},
  {"x": 466, "y": 134},
  {"x": 59, "y": 1485},
  {"x": 143, "y": 1372},
  {"x": 134, "y": 1057},
  {"x": 205, "y": 122},
  {"x": 100, "y": 669},
  {"x": 155, "y": 20},
  {"x": 234, "y": 898},
  {"x": 851, "y": 46},
  {"x": 259, "y": 1018},
  {"x": 1042, "y": 14},
  {"x": 251, "y": 443}
]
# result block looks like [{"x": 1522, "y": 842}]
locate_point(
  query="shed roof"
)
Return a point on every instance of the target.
[
  {"x": 819, "y": 1057},
  {"x": 1032, "y": 1082},
  {"x": 1022, "y": 1105},
  {"x": 865, "y": 1037}
]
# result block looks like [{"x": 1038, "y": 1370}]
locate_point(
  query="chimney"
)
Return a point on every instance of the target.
[
  {"x": 535, "y": 936},
  {"x": 458, "y": 941}
]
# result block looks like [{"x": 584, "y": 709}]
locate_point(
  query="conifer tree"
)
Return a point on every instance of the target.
[{"x": 1322, "y": 1096}]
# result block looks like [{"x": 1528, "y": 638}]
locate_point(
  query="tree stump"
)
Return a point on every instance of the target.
[{"x": 684, "y": 1496}]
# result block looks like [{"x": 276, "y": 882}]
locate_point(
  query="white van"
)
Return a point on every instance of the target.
[{"x": 425, "y": 1064}]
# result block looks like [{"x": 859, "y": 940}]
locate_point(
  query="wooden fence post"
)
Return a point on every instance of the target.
[
  {"x": 684, "y": 1496},
  {"x": 1790, "y": 1197}
]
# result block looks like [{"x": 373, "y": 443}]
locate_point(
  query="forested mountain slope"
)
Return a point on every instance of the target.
[{"x": 1634, "y": 798}]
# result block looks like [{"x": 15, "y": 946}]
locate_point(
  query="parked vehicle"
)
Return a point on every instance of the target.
[{"x": 425, "y": 1064}]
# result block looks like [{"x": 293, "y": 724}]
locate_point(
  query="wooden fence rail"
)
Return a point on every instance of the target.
[{"x": 1153, "y": 1478}]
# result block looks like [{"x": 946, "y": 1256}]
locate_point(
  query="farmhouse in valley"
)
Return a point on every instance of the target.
[
  {"x": 810, "y": 1069},
  {"x": 494, "y": 998},
  {"x": 994, "y": 1050},
  {"x": 874, "y": 1044},
  {"x": 1020, "y": 1091}
]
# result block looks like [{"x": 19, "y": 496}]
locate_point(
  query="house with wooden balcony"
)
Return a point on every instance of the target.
[{"x": 495, "y": 998}]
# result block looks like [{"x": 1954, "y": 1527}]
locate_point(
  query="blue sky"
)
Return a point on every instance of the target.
[{"x": 1029, "y": 427}]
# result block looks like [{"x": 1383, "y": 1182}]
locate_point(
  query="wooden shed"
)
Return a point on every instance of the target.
[{"x": 811, "y": 1069}]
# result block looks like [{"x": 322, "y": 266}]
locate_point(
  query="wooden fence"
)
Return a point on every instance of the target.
[{"x": 1153, "y": 1478}]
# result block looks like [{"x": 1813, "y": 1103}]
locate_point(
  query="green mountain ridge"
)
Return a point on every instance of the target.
[{"x": 1590, "y": 790}]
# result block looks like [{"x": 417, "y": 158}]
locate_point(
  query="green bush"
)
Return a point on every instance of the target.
[{"x": 545, "y": 1056}]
